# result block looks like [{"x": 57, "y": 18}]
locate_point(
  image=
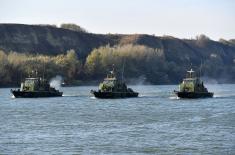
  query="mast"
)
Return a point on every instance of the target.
[
  {"x": 191, "y": 73},
  {"x": 43, "y": 74},
  {"x": 200, "y": 70},
  {"x": 123, "y": 67}
]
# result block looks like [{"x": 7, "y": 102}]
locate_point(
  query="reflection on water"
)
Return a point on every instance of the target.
[{"x": 155, "y": 123}]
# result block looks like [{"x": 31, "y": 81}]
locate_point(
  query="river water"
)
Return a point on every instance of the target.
[{"x": 155, "y": 123}]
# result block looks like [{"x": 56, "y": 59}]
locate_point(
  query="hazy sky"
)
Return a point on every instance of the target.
[{"x": 179, "y": 18}]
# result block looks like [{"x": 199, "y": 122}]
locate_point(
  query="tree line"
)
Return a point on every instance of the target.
[
  {"x": 137, "y": 61},
  {"x": 14, "y": 67}
]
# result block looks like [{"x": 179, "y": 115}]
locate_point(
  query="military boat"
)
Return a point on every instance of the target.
[
  {"x": 192, "y": 87},
  {"x": 112, "y": 87},
  {"x": 34, "y": 87}
]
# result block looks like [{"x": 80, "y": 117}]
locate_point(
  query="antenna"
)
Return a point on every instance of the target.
[
  {"x": 43, "y": 74},
  {"x": 123, "y": 68},
  {"x": 191, "y": 65},
  {"x": 113, "y": 68},
  {"x": 32, "y": 73},
  {"x": 189, "y": 72},
  {"x": 112, "y": 73},
  {"x": 200, "y": 71},
  {"x": 20, "y": 76}
]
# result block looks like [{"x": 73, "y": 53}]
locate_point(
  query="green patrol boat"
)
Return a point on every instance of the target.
[
  {"x": 34, "y": 87},
  {"x": 112, "y": 87},
  {"x": 192, "y": 87}
]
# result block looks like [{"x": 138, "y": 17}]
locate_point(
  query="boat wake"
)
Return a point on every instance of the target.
[
  {"x": 223, "y": 95},
  {"x": 151, "y": 96},
  {"x": 174, "y": 98},
  {"x": 74, "y": 95}
]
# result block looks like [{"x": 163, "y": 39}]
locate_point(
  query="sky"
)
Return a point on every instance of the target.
[{"x": 178, "y": 18}]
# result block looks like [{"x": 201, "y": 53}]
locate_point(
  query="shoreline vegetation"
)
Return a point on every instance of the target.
[
  {"x": 83, "y": 58},
  {"x": 143, "y": 65}
]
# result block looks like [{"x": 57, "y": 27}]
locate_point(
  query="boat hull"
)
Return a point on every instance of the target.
[
  {"x": 114, "y": 94},
  {"x": 35, "y": 94},
  {"x": 194, "y": 94}
]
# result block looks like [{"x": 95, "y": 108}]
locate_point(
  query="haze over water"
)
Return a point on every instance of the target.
[{"x": 155, "y": 123}]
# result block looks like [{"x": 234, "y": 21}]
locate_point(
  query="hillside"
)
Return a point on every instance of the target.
[
  {"x": 219, "y": 56},
  {"x": 51, "y": 40},
  {"x": 47, "y": 39}
]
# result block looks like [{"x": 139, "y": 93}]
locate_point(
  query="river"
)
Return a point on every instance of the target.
[{"x": 155, "y": 123}]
